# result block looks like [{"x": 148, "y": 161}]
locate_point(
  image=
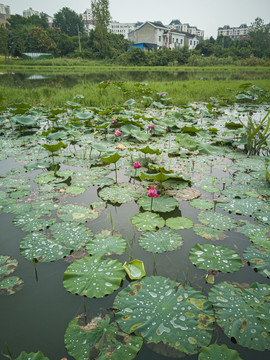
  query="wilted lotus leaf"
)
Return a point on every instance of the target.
[
  {"x": 76, "y": 213},
  {"x": 106, "y": 244},
  {"x": 160, "y": 241},
  {"x": 148, "y": 221},
  {"x": 160, "y": 204},
  {"x": 10, "y": 285},
  {"x": 245, "y": 206},
  {"x": 259, "y": 259},
  {"x": 31, "y": 356},
  {"x": 179, "y": 223},
  {"x": 161, "y": 310},
  {"x": 121, "y": 193},
  {"x": 217, "y": 221},
  {"x": 186, "y": 194},
  {"x": 93, "y": 276},
  {"x": 42, "y": 248},
  {"x": 214, "y": 352},
  {"x": 100, "y": 339},
  {"x": 7, "y": 265},
  {"x": 208, "y": 232},
  {"x": 209, "y": 256},
  {"x": 202, "y": 204},
  {"x": 239, "y": 317}
]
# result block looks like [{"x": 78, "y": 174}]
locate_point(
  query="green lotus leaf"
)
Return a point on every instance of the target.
[
  {"x": 160, "y": 241},
  {"x": 31, "y": 224},
  {"x": 139, "y": 135},
  {"x": 259, "y": 259},
  {"x": 75, "y": 190},
  {"x": 42, "y": 248},
  {"x": 105, "y": 181},
  {"x": 237, "y": 318},
  {"x": 160, "y": 204},
  {"x": 11, "y": 284},
  {"x": 217, "y": 221},
  {"x": 25, "y": 120},
  {"x": 73, "y": 236},
  {"x": 7, "y": 265},
  {"x": 112, "y": 158},
  {"x": 249, "y": 229},
  {"x": 45, "y": 178},
  {"x": 261, "y": 239},
  {"x": 19, "y": 194},
  {"x": 148, "y": 150},
  {"x": 161, "y": 310},
  {"x": 100, "y": 339},
  {"x": 44, "y": 207},
  {"x": 148, "y": 221},
  {"x": 54, "y": 147},
  {"x": 25, "y": 219},
  {"x": 263, "y": 217},
  {"x": 16, "y": 208},
  {"x": 175, "y": 184},
  {"x": 106, "y": 244},
  {"x": 134, "y": 269},
  {"x": 237, "y": 190},
  {"x": 245, "y": 206},
  {"x": 31, "y": 356},
  {"x": 121, "y": 193},
  {"x": 76, "y": 213},
  {"x": 57, "y": 135},
  {"x": 209, "y": 256},
  {"x": 214, "y": 352},
  {"x": 179, "y": 223},
  {"x": 93, "y": 276},
  {"x": 159, "y": 177},
  {"x": 201, "y": 204},
  {"x": 210, "y": 188},
  {"x": 208, "y": 232},
  {"x": 130, "y": 102}
]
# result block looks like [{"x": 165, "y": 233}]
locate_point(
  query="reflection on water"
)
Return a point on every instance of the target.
[{"x": 23, "y": 80}]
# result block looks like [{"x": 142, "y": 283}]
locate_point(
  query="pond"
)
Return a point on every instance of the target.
[
  {"x": 67, "y": 80},
  {"x": 84, "y": 191}
]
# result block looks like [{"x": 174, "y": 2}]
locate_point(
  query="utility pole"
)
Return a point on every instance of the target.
[{"x": 80, "y": 48}]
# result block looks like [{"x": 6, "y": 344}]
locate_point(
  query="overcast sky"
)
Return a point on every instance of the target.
[{"x": 207, "y": 15}]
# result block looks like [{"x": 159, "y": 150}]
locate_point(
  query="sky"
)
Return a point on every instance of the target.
[{"x": 207, "y": 15}]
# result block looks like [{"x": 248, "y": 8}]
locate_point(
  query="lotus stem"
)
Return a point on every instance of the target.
[
  {"x": 151, "y": 205},
  {"x": 115, "y": 173}
]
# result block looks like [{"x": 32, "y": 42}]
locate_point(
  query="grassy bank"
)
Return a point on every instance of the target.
[{"x": 179, "y": 92}]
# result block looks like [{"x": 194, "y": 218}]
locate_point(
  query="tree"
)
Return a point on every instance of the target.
[
  {"x": 260, "y": 38},
  {"x": 102, "y": 18},
  {"x": 68, "y": 21},
  {"x": 3, "y": 41}
]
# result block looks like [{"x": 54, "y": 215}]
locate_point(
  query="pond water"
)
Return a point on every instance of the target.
[
  {"x": 29, "y": 80},
  {"x": 36, "y": 317}
]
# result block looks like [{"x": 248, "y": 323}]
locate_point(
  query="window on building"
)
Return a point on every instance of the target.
[{"x": 159, "y": 38}]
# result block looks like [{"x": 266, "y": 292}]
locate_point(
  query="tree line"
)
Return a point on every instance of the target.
[{"x": 67, "y": 38}]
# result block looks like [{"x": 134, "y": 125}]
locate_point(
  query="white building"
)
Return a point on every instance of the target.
[
  {"x": 240, "y": 32},
  {"x": 30, "y": 12},
  {"x": 88, "y": 20},
  {"x": 186, "y": 28},
  {"x": 118, "y": 28},
  {"x": 4, "y": 9}
]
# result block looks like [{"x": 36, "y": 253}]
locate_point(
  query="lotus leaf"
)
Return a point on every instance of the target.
[
  {"x": 100, "y": 339},
  {"x": 148, "y": 221},
  {"x": 160, "y": 204},
  {"x": 161, "y": 310},
  {"x": 17, "y": 208},
  {"x": 76, "y": 213},
  {"x": 40, "y": 247},
  {"x": 31, "y": 356},
  {"x": 237, "y": 318},
  {"x": 263, "y": 217},
  {"x": 208, "y": 232},
  {"x": 73, "y": 236},
  {"x": 160, "y": 241},
  {"x": 148, "y": 150},
  {"x": 134, "y": 269},
  {"x": 54, "y": 147},
  {"x": 237, "y": 190},
  {"x": 217, "y": 221},
  {"x": 111, "y": 159},
  {"x": 210, "y": 188},
  {"x": 121, "y": 193},
  {"x": 179, "y": 223},
  {"x": 260, "y": 239},
  {"x": 75, "y": 190},
  {"x": 19, "y": 194},
  {"x": 245, "y": 206},
  {"x": 214, "y": 352},
  {"x": 249, "y": 229},
  {"x": 26, "y": 219},
  {"x": 185, "y": 194},
  {"x": 208, "y": 256},
  {"x": 7, "y": 265},
  {"x": 32, "y": 224},
  {"x": 259, "y": 259},
  {"x": 10, "y": 285},
  {"x": 106, "y": 244},
  {"x": 25, "y": 120},
  {"x": 105, "y": 181},
  {"x": 202, "y": 204},
  {"x": 93, "y": 276}
]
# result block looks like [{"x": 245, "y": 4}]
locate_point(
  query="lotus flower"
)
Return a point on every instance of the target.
[
  {"x": 151, "y": 126},
  {"x": 117, "y": 133},
  {"x": 113, "y": 120},
  {"x": 152, "y": 193},
  {"x": 136, "y": 165}
]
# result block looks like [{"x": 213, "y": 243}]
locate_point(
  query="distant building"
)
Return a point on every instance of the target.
[
  {"x": 4, "y": 9},
  {"x": 118, "y": 28},
  {"x": 30, "y": 12},
  {"x": 88, "y": 20},
  {"x": 186, "y": 28},
  {"x": 235, "y": 33}
]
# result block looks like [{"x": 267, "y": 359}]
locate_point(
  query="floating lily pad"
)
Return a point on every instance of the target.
[
  {"x": 10, "y": 285},
  {"x": 202, "y": 204},
  {"x": 121, "y": 193},
  {"x": 160, "y": 241},
  {"x": 185, "y": 194},
  {"x": 210, "y": 188},
  {"x": 75, "y": 190},
  {"x": 148, "y": 221},
  {"x": 237, "y": 318},
  {"x": 160, "y": 204},
  {"x": 134, "y": 269},
  {"x": 42, "y": 248},
  {"x": 93, "y": 277},
  {"x": 100, "y": 339},
  {"x": 19, "y": 194},
  {"x": 259, "y": 259},
  {"x": 263, "y": 217},
  {"x": 161, "y": 310},
  {"x": 34, "y": 224},
  {"x": 106, "y": 244},
  {"x": 217, "y": 221},
  {"x": 261, "y": 239},
  {"x": 209, "y": 256},
  {"x": 214, "y": 352},
  {"x": 76, "y": 213},
  {"x": 208, "y": 232},
  {"x": 245, "y": 206},
  {"x": 17, "y": 208},
  {"x": 31, "y": 356},
  {"x": 7, "y": 265},
  {"x": 249, "y": 229},
  {"x": 179, "y": 223}
]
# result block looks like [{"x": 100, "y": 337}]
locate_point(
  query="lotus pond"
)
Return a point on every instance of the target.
[{"x": 136, "y": 231}]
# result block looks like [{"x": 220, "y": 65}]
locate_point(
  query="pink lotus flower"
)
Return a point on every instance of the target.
[
  {"x": 113, "y": 120},
  {"x": 109, "y": 82},
  {"x": 152, "y": 193},
  {"x": 117, "y": 132},
  {"x": 160, "y": 94},
  {"x": 151, "y": 126},
  {"x": 136, "y": 165}
]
